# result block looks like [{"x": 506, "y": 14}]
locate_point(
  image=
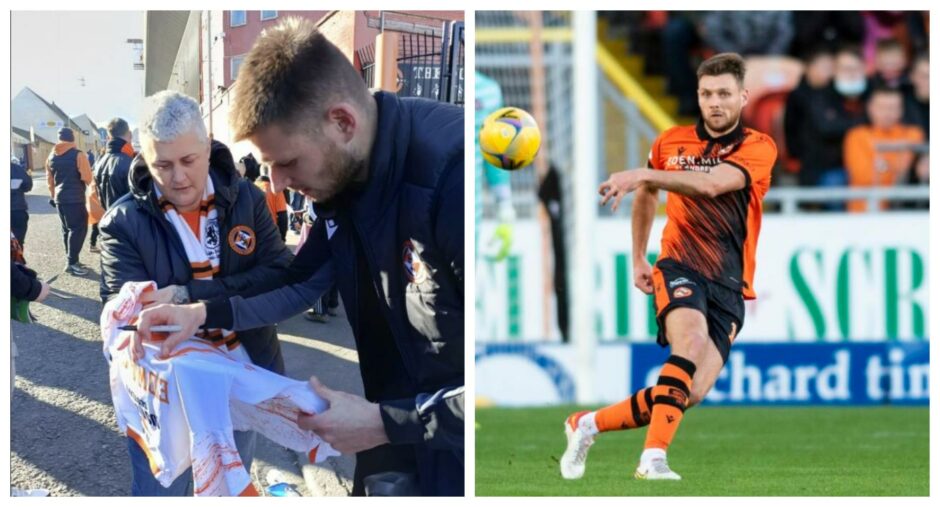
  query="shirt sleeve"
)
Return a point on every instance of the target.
[
  {"x": 653, "y": 162},
  {"x": 755, "y": 158}
]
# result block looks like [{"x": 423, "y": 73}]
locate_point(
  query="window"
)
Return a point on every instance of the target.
[
  {"x": 237, "y": 18},
  {"x": 266, "y": 15},
  {"x": 236, "y": 64}
]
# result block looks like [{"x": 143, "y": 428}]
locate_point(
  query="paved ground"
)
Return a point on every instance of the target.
[{"x": 64, "y": 434}]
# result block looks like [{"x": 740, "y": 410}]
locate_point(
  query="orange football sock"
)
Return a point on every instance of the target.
[
  {"x": 670, "y": 397},
  {"x": 633, "y": 412}
]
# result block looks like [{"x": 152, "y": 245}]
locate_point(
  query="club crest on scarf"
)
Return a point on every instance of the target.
[{"x": 212, "y": 241}]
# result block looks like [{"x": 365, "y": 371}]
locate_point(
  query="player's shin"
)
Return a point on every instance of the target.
[
  {"x": 633, "y": 412},
  {"x": 670, "y": 398}
]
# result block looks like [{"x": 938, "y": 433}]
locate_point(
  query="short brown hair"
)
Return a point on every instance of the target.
[
  {"x": 117, "y": 127},
  {"x": 723, "y": 63},
  {"x": 291, "y": 74}
]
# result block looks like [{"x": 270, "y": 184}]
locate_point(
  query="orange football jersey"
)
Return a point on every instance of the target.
[{"x": 716, "y": 236}]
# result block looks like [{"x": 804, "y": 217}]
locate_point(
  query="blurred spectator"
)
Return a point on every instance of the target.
[
  {"x": 748, "y": 32},
  {"x": 878, "y": 154},
  {"x": 827, "y": 28},
  {"x": 95, "y": 212},
  {"x": 881, "y": 25},
  {"x": 917, "y": 23},
  {"x": 252, "y": 168},
  {"x": 91, "y": 157},
  {"x": 917, "y": 95},
  {"x": 277, "y": 204},
  {"x": 680, "y": 36},
  {"x": 21, "y": 182},
  {"x": 817, "y": 77},
  {"x": 832, "y": 113},
  {"x": 890, "y": 64},
  {"x": 67, "y": 174},
  {"x": 112, "y": 168}
]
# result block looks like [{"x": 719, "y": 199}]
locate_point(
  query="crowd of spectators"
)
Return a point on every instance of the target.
[{"x": 857, "y": 115}]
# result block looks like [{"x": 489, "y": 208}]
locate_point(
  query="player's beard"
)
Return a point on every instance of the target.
[
  {"x": 724, "y": 124},
  {"x": 343, "y": 168}
]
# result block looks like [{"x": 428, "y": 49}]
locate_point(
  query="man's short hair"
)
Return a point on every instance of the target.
[
  {"x": 292, "y": 74},
  {"x": 168, "y": 115},
  {"x": 724, "y": 63},
  {"x": 117, "y": 127}
]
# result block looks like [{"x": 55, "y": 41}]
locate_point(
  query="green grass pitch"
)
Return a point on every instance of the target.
[{"x": 718, "y": 451}]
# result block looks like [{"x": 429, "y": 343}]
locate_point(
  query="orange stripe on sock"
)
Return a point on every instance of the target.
[{"x": 671, "y": 370}]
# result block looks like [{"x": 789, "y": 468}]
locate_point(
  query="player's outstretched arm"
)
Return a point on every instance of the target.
[{"x": 722, "y": 178}]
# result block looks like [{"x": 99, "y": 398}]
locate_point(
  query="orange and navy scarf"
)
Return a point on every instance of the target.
[{"x": 202, "y": 252}]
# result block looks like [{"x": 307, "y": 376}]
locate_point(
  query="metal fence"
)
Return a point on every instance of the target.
[{"x": 429, "y": 65}]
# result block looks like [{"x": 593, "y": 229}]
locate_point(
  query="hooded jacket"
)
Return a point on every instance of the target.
[
  {"x": 111, "y": 172},
  {"x": 138, "y": 243}
]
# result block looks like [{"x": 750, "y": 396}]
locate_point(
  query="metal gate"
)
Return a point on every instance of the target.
[{"x": 429, "y": 66}]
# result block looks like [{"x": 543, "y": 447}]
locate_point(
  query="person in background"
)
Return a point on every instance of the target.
[
  {"x": 681, "y": 35},
  {"x": 880, "y": 154},
  {"x": 21, "y": 182},
  {"x": 252, "y": 168},
  {"x": 276, "y": 204},
  {"x": 112, "y": 167},
  {"x": 832, "y": 114},
  {"x": 917, "y": 95},
  {"x": 68, "y": 173},
  {"x": 816, "y": 80},
  {"x": 748, "y": 33},
  {"x": 95, "y": 212},
  {"x": 890, "y": 64}
]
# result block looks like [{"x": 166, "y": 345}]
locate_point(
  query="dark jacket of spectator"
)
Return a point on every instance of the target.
[
  {"x": 111, "y": 172},
  {"x": 828, "y": 28},
  {"x": 830, "y": 116},
  {"x": 18, "y": 196},
  {"x": 24, "y": 284},
  {"x": 748, "y": 32}
]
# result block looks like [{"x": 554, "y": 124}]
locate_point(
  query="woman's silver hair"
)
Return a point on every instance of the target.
[{"x": 167, "y": 115}]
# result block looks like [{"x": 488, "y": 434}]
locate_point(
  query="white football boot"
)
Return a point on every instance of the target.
[
  {"x": 653, "y": 467},
  {"x": 579, "y": 442}
]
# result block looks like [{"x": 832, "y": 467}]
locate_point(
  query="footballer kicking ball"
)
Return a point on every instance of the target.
[{"x": 510, "y": 138}]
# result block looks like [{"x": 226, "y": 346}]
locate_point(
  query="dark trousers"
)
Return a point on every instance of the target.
[
  {"x": 94, "y": 235},
  {"x": 74, "y": 219},
  {"x": 332, "y": 299},
  {"x": 19, "y": 222}
]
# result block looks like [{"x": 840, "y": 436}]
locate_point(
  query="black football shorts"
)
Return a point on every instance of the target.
[{"x": 678, "y": 286}]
